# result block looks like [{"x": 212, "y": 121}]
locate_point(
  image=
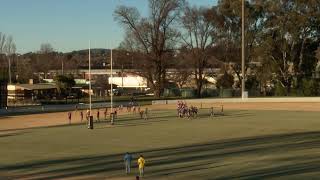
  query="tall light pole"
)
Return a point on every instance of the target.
[
  {"x": 111, "y": 97},
  {"x": 90, "y": 106},
  {"x": 90, "y": 122},
  {"x": 242, "y": 53}
]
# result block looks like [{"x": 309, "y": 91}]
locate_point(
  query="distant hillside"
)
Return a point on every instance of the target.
[{"x": 94, "y": 52}]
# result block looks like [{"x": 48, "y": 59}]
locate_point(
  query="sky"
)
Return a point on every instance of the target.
[{"x": 67, "y": 24}]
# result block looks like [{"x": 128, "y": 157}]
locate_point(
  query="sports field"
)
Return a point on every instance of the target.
[{"x": 242, "y": 144}]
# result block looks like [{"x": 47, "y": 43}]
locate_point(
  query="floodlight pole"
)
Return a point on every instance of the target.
[
  {"x": 90, "y": 106},
  {"x": 90, "y": 123},
  {"x": 243, "y": 52},
  {"x": 111, "y": 97}
]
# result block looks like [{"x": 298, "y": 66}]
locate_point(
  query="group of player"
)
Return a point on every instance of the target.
[
  {"x": 131, "y": 107},
  {"x": 184, "y": 111}
]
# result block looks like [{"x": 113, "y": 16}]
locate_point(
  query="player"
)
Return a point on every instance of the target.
[{"x": 141, "y": 164}]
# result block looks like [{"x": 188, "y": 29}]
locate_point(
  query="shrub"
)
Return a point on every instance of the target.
[
  {"x": 225, "y": 81},
  {"x": 279, "y": 89}
]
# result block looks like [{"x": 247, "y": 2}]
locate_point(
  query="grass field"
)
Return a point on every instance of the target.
[{"x": 241, "y": 144}]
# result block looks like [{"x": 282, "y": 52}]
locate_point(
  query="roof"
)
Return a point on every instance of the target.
[{"x": 36, "y": 86}]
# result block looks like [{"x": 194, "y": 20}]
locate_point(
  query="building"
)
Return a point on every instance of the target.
[{"x": 30, "y": 91}]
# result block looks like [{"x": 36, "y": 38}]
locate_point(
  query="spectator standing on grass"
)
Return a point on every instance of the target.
[
  {"x": 141, "y": 164},
  {"x": 105, "y": 113},
  {"x": 87, "y": 114},
  {"x": 81, "y": 116},
  {"x": 134, "y": 109},
  {"x": 127, "y": 162},
  {"x": 98, "y": 115},
  {"x": 69, "y": 117},
  {"x": 146, "y": 114}
]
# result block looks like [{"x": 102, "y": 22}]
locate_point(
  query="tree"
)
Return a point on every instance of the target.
[
  {"x": 289, "y": 33},
  {"x": 9, "y": 50},
  {"x": 3, "y": 64},
  {"x": 197, "y": 42},
  {"x": 153, "y": 37},
  {"x": 101, "y": 82},
  {"x": 64, "y": 84},
  {"x": 24, "y": 69},
  {"x": 45, "y": 59},
  {"x": 46, "y": 48},
  {"x": 2, "y": 42},
  {"x": 226, "y": 16},
  {"x": 225, "y": 81}
]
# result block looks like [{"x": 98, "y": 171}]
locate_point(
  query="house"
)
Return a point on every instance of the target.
[{"x": 30, "y": 91}]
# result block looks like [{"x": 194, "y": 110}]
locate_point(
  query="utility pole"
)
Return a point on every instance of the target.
[{"x": 242, "y": 54}]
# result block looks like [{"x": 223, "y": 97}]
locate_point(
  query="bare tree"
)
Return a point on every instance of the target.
[
  {"x": 46, "y": 48},
  {"x": 2, "y": 42},
  {"x": 10, "y": 50},
  {"x": 155, "y": 37},
  {"x": 45, "y": 59},
  {"x": 197, "y": 41}
]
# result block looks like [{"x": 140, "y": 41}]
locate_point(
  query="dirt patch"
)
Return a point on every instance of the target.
[
  {"x": 8, "y": 124},
  {"x": 250, "y": 106},
  {"x": 12, "y": 123}
]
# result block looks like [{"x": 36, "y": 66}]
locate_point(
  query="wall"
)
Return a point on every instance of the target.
[{"x": 225, "y": 100}]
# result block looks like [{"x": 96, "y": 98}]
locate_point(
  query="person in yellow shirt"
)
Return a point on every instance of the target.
[{"x": 141, "y": 163}]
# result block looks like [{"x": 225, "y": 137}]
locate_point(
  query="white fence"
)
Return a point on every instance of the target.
[{"x": 238, "y": 100}]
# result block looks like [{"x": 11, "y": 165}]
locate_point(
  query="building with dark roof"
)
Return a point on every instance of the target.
[{"x": 31, "y": 91}]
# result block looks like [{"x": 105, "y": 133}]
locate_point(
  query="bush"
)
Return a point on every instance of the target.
[
  {"x": 171, "y": 92},
  {"x": 225, "y": 93},
  {"x": 225, "y": 81},
  {"x": 310, "y": 87},
  {"x": 280, "y": 90},
  {"x": 209, "y": 92},
  {"x": 252, "y": 83},
  {"x": 188, "y": 93}
]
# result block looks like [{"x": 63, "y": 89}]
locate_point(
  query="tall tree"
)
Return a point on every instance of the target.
[
  {"x": 198, "y": 40},
  {"x": 45, "y": 59},
  {"x": 2, "y": 42},
  {"x": 64, "y": 84},
  {"x": 226, "y": 15},
  {"x": 289, "y": 27},
  {"x": 46, "y": 48},
  {"x": 10, "y": 50},
  {"x": 154, "y": 36}
]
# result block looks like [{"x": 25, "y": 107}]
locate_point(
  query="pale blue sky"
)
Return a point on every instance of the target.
[{"x": 67, "y": 24}]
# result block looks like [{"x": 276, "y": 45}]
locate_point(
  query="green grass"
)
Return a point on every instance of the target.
[{"x": 241, "y": 144}]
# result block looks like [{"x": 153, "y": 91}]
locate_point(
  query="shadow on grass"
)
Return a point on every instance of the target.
[
  {"x": 135, "y": 120},
  {"x": 12, "y": 133},
  {"x": 198, "y": 159}
]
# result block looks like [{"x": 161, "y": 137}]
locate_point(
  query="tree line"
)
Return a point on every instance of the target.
[
  {"x": 282, "y": 37},
  {"x": 281, "y": 46}
]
